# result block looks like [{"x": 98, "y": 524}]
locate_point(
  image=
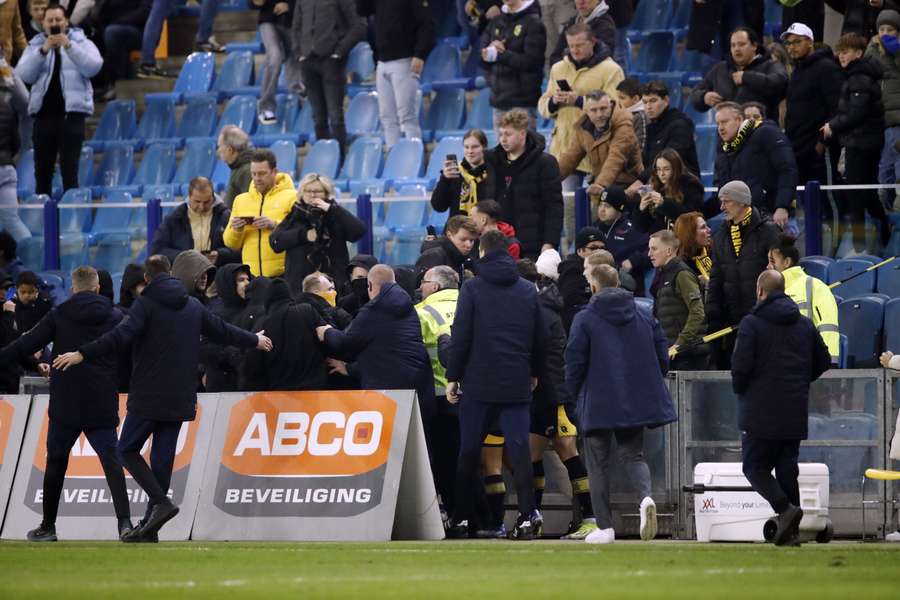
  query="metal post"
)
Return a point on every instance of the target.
[
  {"x": 813, "y": 213},
  {"x": 51, "y": 235},
  {"x": 582, "y": 209},
  {"x": 154, "y": 217},
  {"x": 364, "y": 213}
]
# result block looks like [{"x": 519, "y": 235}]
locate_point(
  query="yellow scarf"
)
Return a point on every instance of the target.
[
  {"x": 703, "y": 262},
  {"x": 468, "y": 193},
  {"x": 746, "y": 127},
  {"x": 736, "y": 240}
]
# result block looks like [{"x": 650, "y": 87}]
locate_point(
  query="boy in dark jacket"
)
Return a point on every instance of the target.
[
  {"x": 668, "y": 127},
  {"x": 31, "y": 303},
  {"x": 627, "y": 243},
  {"x": 84, "y": 399},
  {"x": 453, "y": 250},
  {"x": 221, "y": 364},
  {"x": 777, "y": 355}
]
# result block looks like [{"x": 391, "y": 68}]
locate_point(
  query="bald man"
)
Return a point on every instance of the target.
[
  {"x": 777, "y": 355},
  {"x": 383, "y": 343}
]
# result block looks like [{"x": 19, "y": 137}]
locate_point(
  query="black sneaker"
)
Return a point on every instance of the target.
[
  {"x": 457, "y": 530},
  {"x": 788, "y": 525},
  {"x": 124, "y": 527},
  {"x": 43, "y": 533},
  {"x": 210, "y": 45},
  {"x": 160, "y": 515},
  {"x": 137, "y": 535},
  {"x": 152, "y": 72},
  {"x": 524, "y": 530}
]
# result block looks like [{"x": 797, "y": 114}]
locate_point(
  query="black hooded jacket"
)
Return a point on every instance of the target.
[
  {"x": 174, "y": 235},
  {"x": 515, "y": 77},
  {"x": 355, "y": 295},
  {"x": 859, "y": 122},
  {"x": 221, "y": 364},
  {"x": 164, "y": 328},
  {"x": 446, "y": 254},
  {"x": 673, "y": 129},
  {"x": 777, "y": 355},
  {"x": 551, "y": 390},
  {"x": 299, "y": 363},
  {"x": 573, "y": 287},
  {"x": 530, "y": 193},
  {"x": 812, "y": 99},
  {"x": 84, "y": 396},
  {"x": 764, "y": 80},
  {"x": 332, "y": 315}
]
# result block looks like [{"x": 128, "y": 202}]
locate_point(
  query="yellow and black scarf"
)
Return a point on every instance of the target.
[
  {"x": 736, "y": 230},
  {"x": 746, "y": 127},
  {"x": 468, "y": 192},
  {"x": 703, "y": 262}
]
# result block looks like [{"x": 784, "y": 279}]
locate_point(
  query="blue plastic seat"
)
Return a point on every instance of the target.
[
  {"x": 681, "y": 16},
  {"x": 157, "y": 122},
  {"x": 372, "y": 188},
  {"x": 443, "y": 70},
  {"x": 892, "y": 325},
  {"x": 405, "y": 220},
  {"x": 33, "y": 218},
  {"x": 817, "y": 266},
  {"x": 447, "y": 111},
  {"x": 196, "y": 76},
  {"x": 108, "y": 221},
  {"x": 116, "y": 169},
  {"x": 360, "y": 67},
  {"x": 241, "y": 112},
  {"x": 255, "y": 46},
  {"x": 861, "y": 319},
  {"x": 220, "y": 175},
  {"x": 707, "y": 117},
  {"x": 113, "y": 252},
  {"x": 25, "y": 174},
  {"x": 165, "y": 194},
  {"x": 323, "y": 158},
  {"x": 405, "y": 161},
  {"x": 694, "y": 65},
  {"x": 85, "y": 170},
  {"x": 649, "y": 15},
  {"x": 480, "y": 116},
  {"x": 447, "y": 145},
  {"x": 304, "y": 125},
  {"x": 845, "y": 463},
  {"x": 237, "y": 71},
  {"x": 656, "y": 52},
  {"x": 157, "y": 167},
  {"x": 198, "y": 120},
  {"x": 286, "y": 157},
  {"x": 199, "y": 159},
  {"x": 872, "y": 260},
  {"x": 75, "y": 219},
  {"x": 73, "y": 251},
  {"x": 286, "y": 108},
  {"x": 707, "y": 142},
  {"x": 846, "y": 267},
  {"x": 889, "y": 279},
  {"x": 31, "y": 252},
  {"x": 773, "y": 17},
  {"x": 362, "y": 114},
  {"x": 116, "y": 124},
  {"x": 363, "y": 161}
]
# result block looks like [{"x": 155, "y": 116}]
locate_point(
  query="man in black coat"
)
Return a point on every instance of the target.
[
  {"x": 740, "y": 252},
  {"x": 453, "y": 250},
  {"x": 221, "y": 364},
  {"x": 496, "y": 357},
  {"x": 812, "y": 99},
  {"x": 759, "y": 154},
  {"x": 748, "y": 74},
  {"x": 163, "y": 328},
  {"x": 598, "y": 15},
  {"x": 668, "y": 127},
  {"x": 356, "y": 291},
  {"x": 777, "y": 355},
  {"x": 575, "y": 290},
  {"x": 528, "y": 185},
  {"x": 299, "y": 363},
  {"x": 84, "y": 399},
  {"x": 384, "y": 341},
  {"x": 320, "y": 293},
  {"x": 198, "y": 224},
  {"x": 512, "y": 53}
]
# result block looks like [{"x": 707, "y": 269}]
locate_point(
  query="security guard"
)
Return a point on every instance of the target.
[
  {"x": 440, "y": 290},
  {"x": 813, "y": 297}
]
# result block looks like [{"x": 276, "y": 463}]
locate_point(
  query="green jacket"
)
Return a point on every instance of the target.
[{"x": 436, "y": 313}]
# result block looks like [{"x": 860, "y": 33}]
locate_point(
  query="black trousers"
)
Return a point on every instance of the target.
[
  {"x": 861, "y": 166},
  {"x": 475, "y": 419},
  {"x": 444, "y": 450},
  {"x": 54, "y": 136},
  {"x": 326, "y": 84},
  {"x": 60, "y": 439},
  {"x": 760, "y": 457},
  {"x": 156, "y": 477}
]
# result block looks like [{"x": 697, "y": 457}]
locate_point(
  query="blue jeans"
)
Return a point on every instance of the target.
[
  {"x": 119, "y": 41},
  {"x": 208, "y": 10},
  {"x": 153, "y": 29},
  {"x": 9, "y": 217}
]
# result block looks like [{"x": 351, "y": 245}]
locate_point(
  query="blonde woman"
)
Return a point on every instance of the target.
[{"x": 315, "y": 234}]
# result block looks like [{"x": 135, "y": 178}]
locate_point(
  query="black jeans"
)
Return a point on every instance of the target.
[
  {"x": 760, "y": 457},
  {"x": 861, "y": 166},
  {"x": 156, "y": 477},
  {"x": 326, "y": 84},
  {"x": 57, "y": 135},
  {"x": 444, "y": 450}
]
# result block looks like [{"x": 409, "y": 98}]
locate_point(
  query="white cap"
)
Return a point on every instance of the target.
[
  {"x": 798, "y": 29},
  {"x": 548, "y": 264}
]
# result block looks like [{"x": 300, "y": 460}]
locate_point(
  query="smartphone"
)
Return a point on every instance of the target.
[
  {"x": 644, "y": 189},
  {"x": 563, "y": 85},
  {"x": 55, "y": 30},
  {"x": 452, "y": 158},
  {"x": 10, "y": 293}
]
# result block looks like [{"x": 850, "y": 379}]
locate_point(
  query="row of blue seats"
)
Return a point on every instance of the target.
[
  {"x": 884, "y": 280},
  {"x": 871, "y": 323}
]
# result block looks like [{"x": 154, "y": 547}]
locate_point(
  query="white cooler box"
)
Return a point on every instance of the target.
[{"x": 740, "y": 516}]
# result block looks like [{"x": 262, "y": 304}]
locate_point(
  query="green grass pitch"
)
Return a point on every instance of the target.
[{"x": 460, "y": 570}]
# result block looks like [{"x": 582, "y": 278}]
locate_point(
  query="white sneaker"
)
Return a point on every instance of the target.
[
  {"x": 267, "y": 117},
  {"x": 601, "y": 536},
  {"x": 648, "y": 519},
  {"x": 894, "y": 536}
]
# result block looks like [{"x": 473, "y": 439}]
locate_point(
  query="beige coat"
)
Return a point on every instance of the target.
[
  {"x": 12, "y": 36},
  {"x": 614, "y": 157}
]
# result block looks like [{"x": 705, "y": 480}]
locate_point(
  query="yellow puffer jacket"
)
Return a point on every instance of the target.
[
  {"x": 254, "y": 243},
  {"x": 604, "y": 75}
]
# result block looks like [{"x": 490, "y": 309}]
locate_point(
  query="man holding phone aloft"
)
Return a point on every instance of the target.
[{"x": 58, "y": 65}]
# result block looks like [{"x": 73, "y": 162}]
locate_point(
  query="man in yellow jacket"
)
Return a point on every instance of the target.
[
  {"x": 813, "y": 296},
  {"x": 586, "y": 67},
  {"x": 257, "y": 212},
  {"x": 440, "y": 291}
]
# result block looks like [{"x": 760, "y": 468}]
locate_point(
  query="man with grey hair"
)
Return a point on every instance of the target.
[
  {"x": 740, "y": 252},
  {"x": 440, "y": 292},
  {"x": 235, "y": 149},
  {"x": 384, "y": 342},
  {"x": 82, "y": 400}
]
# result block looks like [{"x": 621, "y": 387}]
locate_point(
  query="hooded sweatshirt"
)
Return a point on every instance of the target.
[
  {"x": 189, "y": 266},
  {"x": 222, "y": 363}
]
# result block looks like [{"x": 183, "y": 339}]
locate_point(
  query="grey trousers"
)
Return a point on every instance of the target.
[
  {"x": 597, "y": 450},
  {"x": 277, "y": 43}
]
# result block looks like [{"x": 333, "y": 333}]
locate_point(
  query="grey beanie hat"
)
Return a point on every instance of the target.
[
  {"x": 888, "y": 17},
  {"x": 736, "y": 191}
]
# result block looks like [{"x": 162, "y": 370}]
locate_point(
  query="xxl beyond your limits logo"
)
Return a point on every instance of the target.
[
  {"x": 317, "y": 454},
  {"x": 85, "y": 493}
]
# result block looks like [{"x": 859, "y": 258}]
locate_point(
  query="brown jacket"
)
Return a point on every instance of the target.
[
  {"x": 12, "y": 36},
  {"x": 615, "y": 156}
]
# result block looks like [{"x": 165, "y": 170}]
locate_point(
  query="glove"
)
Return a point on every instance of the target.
[{"x": 564, "y": 426}]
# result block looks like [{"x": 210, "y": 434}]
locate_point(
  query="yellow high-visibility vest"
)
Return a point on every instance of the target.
[{"x": 817, "y": 303}]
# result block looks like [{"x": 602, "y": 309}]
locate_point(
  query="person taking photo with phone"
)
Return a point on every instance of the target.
[
  {"x": 464, "y": 184},
  {"x": 672, "y": 191}
]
